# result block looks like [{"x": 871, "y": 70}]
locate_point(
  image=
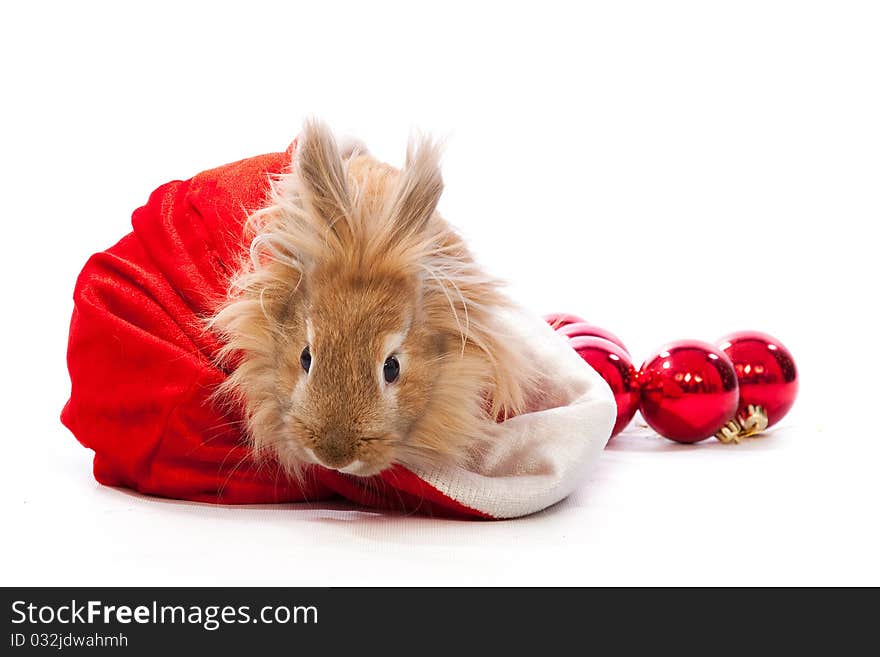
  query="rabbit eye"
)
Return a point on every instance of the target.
[
  {"x": 391, "y": 369},
  {"x": 305, "y": 359}
]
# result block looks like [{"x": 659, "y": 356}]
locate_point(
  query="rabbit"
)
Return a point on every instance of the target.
[{"x": 360, "y": 332}]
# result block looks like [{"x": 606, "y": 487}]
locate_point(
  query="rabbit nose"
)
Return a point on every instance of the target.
[{"x": 335, "y": 449}]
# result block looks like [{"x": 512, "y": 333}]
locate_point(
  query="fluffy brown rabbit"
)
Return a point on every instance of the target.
[{"x": 361, "y": 331}]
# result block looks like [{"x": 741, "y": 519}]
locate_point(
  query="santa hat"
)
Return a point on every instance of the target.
[{"x": 143, "y": 371}]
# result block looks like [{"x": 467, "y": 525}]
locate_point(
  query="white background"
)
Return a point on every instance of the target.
[{"x": 667, "y": 170}]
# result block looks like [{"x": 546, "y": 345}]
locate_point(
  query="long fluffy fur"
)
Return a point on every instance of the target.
[{"x": 333, "y": 219}]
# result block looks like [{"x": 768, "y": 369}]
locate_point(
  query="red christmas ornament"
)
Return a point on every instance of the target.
[
  {"x": 613, "y": 364},
  {"x": 768, "y": 379},
  {"x": 558, "y": 320},
  {"x": 583, "y": 329},
  {"x": 689, "y": 391}
]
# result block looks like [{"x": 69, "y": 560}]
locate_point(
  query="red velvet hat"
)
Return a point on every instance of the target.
[{"x": 142, "y": 373}]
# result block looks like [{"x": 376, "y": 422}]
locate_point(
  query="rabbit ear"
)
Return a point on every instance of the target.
[
  {"x": 323, "y": 177},
  {"x": 418, "y": 190}
]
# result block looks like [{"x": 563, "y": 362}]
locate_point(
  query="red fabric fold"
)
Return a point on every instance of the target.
[{"x": 141, "y": 364}]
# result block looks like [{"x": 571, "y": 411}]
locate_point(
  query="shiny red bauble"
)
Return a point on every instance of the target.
[
  {"x": 558, "y": 320},
  {"x": 586, "y": 330},
  {"x": 689, "y": 391},
  {"x": 613, "y": 364},
  {"x": 766, "y": 372}
]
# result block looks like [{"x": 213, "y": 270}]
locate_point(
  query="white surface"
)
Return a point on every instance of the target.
[{"x": 587, "y": 152}]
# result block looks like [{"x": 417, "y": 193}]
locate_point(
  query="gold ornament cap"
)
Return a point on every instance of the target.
[{"x": 750, "y": 422}]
